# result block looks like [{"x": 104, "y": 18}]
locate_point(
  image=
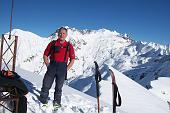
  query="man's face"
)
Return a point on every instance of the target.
[{"x": 62, "y": 34}]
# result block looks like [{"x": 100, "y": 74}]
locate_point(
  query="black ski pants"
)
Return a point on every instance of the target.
[{"x": 55, "y": 71}]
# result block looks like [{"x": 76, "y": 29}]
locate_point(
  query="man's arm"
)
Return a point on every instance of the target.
[
  {"x": 70, "y": 64},
  {"x": 46, "y": 54},
  {"x": 46, "y": 61}
]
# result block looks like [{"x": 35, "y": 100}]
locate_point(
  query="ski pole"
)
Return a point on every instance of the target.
[
  {"x": 98, "y": 79},
  {"x": 115, "y": 92}
]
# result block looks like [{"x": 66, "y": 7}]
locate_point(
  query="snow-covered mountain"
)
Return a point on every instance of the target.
[{"x": 145, "y": 63}]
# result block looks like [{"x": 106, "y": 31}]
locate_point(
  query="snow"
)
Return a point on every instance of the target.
[
  {"x": 161, "y": 88},
  {"x": 135, "y": 98},
  {"x": 145, "y": 63}
]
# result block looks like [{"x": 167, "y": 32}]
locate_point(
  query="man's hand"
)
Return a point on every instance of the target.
[
  {"x": 46, "y": 61},
  {"x": 70, "y": 64}
]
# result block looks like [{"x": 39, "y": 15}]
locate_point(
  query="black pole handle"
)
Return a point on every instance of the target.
[{"x": 97, "y": 74}]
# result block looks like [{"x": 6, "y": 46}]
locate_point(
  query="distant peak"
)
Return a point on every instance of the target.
[{"x": 19, "y": 32}]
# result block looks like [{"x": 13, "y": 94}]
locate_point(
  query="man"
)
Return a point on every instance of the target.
[{"x": 59, "y": 52}]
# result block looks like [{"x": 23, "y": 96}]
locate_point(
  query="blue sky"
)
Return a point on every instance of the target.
[{"x": 145, "y": 20}]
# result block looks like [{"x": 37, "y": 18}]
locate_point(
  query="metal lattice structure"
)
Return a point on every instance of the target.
[
  {"x": 8, "y": 52},
  {"x": 9, "y": 98}
]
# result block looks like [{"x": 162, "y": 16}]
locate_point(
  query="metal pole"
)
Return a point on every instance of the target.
[
  {"x": 15, "y": 51},
  {"x": 2, "y": 42},
  {"x": 98, "y": 100},
  {"x": 12, "y": 7}
]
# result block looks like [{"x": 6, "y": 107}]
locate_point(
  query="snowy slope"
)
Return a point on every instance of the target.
[
  {"x": 135, "y": 98},
  {"x": 161, "y": 88}
]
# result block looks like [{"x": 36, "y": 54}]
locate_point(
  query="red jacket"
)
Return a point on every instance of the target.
[{"x": 59, "y": 56}]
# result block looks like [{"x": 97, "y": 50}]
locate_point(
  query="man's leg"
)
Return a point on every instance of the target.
[
  {"x": 60, "y": 77},
  {"x": 47, "y": 83}
]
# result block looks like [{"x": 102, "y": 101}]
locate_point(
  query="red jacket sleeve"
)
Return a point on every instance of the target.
[
  {"x": 47, "y": 50},
  {"x": 71, "y": 52}
]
